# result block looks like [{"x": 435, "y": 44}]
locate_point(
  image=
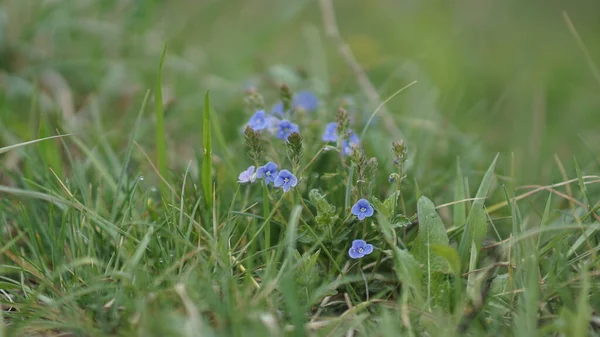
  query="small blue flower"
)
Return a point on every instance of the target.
[
  {"x": 350, "y": 143},
  {"x": 259, "y": 120},
  {"x": 277, "y": 109},
  {"x": 359, "y": 249},
  {"x": 267, "y": 172},
  {"x": 330, "y": 134},
  {"x": 362, "y": 209},
  {"x": 305, "y": 100},
  {"x": 247, "y": 176},
  {"x": 286, "y": 180},
  {"x": 285, "y": 128}
]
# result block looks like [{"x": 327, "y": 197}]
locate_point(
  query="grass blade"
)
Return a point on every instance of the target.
[
  {"x": 161, "y": 146},
  {"x": 476, "y": 226},
  {"x": 207, "y": 156},
  {"x": 19, "y": 145},
  {"x": 459, "y": 209},
  {"x": 364, "y": 130}
]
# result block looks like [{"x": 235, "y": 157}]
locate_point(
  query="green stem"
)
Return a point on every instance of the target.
[{"x": 266, "y": 212}]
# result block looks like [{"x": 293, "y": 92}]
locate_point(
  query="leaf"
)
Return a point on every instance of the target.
[
  {"x": 390, "y": 202},
  {"x": 380, "y": 207},
  {"x": 431, "y": 232},
  {"x": 16, "y": 146},
  {"x": 207, "y": 156},
  {"x": 450, "y": 255},
  {"x": 459, "y": 194},
  {"x": 326, "y": 215},
  {"x": 476, "y": 224},
  {"x": 407, "y": 268},
  {"x": 400, "y": 221},
  {"x": 161, "y": 146}
]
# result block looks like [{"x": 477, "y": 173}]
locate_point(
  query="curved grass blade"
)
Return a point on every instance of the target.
[
  {"x": 161, "y": 146},
  {"x": 476, "y": 226},
  {"x": 364, "y": 130},
  {"x": 207, "y": 156},
  {"x": 19, "y": 145}
]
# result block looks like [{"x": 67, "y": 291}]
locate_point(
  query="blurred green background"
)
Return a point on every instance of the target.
[{"x": 506, "y": 75}]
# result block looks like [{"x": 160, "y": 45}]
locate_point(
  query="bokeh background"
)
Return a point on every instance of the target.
[{"x": 493, "y": 76}]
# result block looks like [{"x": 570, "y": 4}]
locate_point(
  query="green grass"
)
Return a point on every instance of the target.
[{"x": 121, "y": 214}]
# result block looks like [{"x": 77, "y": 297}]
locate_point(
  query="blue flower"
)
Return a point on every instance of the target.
[
  {"x": 286, "y": 180},
  {"x": 362, "y": 209},
  {"x": 259, "y": 120},
  {"x": 330, "y": 134},
  {"x": 267, "y": 172},
  {"x": 305, "y": 100},
  {"x": 277, "y": 109},
  {"x": 247, "y": 176},
  {"x": 359, "y": 249},
  {"x": 285, "y": 128},
  {"x": 350, "y": 143}
]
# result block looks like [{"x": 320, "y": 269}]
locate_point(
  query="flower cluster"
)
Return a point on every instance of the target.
[
  {"x": 331, "y": 135},
  {"x": 271, "y": 175},
  {"x": 303, "y": 100},
  {"x": 276, "y": 122}
]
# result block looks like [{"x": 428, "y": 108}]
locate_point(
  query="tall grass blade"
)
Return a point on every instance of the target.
[
  {"x": 161, "y": 146},
  {"x": 207, "y": 154},
  {"x": 476, "y": 226}
]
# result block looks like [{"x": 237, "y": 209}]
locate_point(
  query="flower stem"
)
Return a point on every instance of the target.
[{"x": 266, "y": 212}]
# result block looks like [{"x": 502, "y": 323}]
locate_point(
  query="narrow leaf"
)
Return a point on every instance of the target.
[
  {"x": 459, "y": 194},
  {"x": 16, "y": 146},
  {"x": 161, "y": 146},
  {"x": 476, "y": 226},
  {"x": 207, "y": 157}
]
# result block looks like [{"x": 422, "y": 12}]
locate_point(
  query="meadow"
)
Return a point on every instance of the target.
[{"x": 299, "y": 168}]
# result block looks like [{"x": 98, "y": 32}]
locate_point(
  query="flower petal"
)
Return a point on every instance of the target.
[
  {"x": 286, "y": 187},
  {"x": 354, "y": 254},
  {"x": 363, "y": 203},
  {"x": 278, "y": 182},
  {"x": 260, "y": 173},
  {"x": 369, "y": 211},
  {"x": 358, "y": 243},
  {"x": 293, "y": 181},
  {"x": 355, "y": 209},
  {"x": 361, "y": 216},
  {"x": 368, "y": 249}
]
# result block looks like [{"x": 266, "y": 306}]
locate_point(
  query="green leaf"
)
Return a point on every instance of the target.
[
  {"x": 459, "y": 194},
  {"x": 476, "y": 225},
  {"x": 407, "y": 269},
  {"x": 16, "y": 146},
  {"x": 161, "y": 146},
  {"x": 450, "y": 255},
  {"x": 431, "y": 232},
  {"x": 400, "y": 221},
  {"x": 207, "y": 156},
  {"x": 326, "y": 215},
  {"x": 380, "y": 207},
  {"x": 390, "y": 203}
]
